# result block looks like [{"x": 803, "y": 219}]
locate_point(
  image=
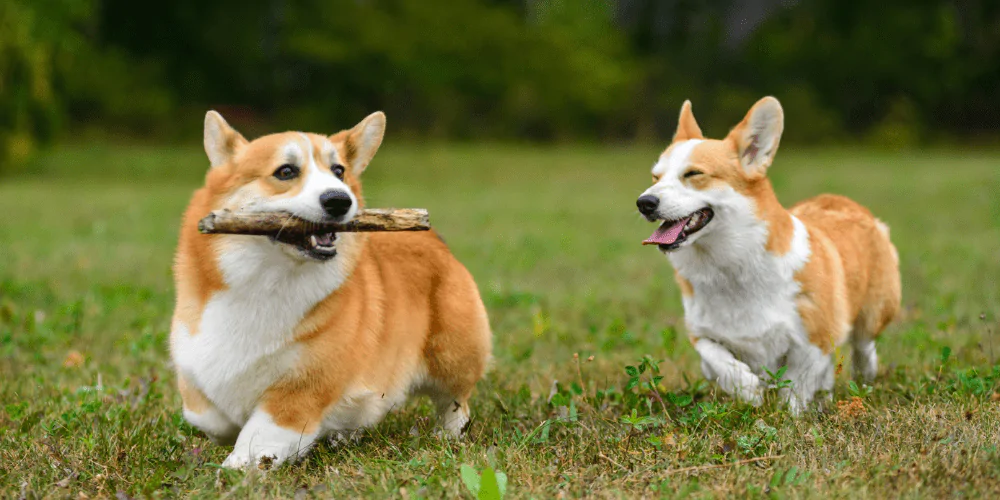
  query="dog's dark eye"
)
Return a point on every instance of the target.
[
  {"x": 338, "y": 170},
  {"x": 286, "y": 172},
  {"x": 691, "y": 173}
]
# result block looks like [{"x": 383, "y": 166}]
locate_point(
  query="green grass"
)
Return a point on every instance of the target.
[{"x": 552, "y": 237}]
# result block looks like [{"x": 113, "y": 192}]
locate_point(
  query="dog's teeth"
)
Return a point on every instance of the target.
[{"x": 313, "y": 240}]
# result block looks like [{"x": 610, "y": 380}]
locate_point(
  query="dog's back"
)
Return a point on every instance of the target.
[
  {"x": 409, "y": 311},
  {"x": 858, "y": 284}
]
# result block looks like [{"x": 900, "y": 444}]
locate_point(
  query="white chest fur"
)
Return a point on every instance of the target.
[
  {"x": 245, "y": 340},
  {"x": 744, "y": 297}
]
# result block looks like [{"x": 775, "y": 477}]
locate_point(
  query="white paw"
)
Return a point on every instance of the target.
[
  {"x": 865, "y": 361},
  {"x": 262, "y": 459},
  {"x": 824, "y": 402},
  {"x": 345, "y": 437},
  {"x": 453, "y": 428},
  {"x": 745, "y": 386},
  {"x": 751, "y": 395},
  {"x": 796, "y": 405},
  {"x": 264, "y": 445},
  {"x": 235, "y": 461},
  {"x": 454, "y": 418},
  {"x": 451, "y": 432}
]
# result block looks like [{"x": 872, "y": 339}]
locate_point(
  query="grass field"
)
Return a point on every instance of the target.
[{"x": 552, "y": 237}]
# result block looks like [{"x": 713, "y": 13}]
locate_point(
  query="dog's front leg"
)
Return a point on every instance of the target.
[
  {"x": 203, "y": 414},
  {"x": 733, "y": 376},
  {"x": 284, "y": 425},
  {"x": 266, "y": 443}
]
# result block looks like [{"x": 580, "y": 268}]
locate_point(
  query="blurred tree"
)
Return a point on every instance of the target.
[
  {"x": 893, "y": 72},
  {"x": 51, "y": 69},
  {"x": 456, "y": 68},
  {"x": 28, "y": 104},
  {"x": 940, "y": 61}
]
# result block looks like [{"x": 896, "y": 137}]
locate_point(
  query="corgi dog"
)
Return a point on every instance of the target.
[
  {"x": 764, "y": 287},
  {"x": 280, "y": 341}
]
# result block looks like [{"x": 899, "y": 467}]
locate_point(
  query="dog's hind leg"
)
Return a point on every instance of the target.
[
  {"x": 881, "y": 304},
  {"x": 867, "y": 326},
  {"x": 457, "y": 351},
  {"x": 453, "y": 415},
  {"x": 864, "y": 357},
  {"x": 454, "y": 372}
]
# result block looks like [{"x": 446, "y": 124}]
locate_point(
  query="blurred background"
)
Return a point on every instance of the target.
[{"x": 889, "y": 74}]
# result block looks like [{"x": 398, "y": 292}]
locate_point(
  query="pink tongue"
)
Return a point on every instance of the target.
[
  {"x": 325, "y": 239},
  {"x": 667, "y": 233}
]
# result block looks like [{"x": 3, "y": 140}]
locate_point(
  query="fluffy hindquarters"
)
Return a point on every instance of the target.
[
  {"x": 881, "y": 303},
  {"x": 862, "y": 267},
  {"x": 458, "y": 349}
]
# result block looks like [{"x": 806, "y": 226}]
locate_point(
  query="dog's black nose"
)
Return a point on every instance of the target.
[
  {"x": 647, "y": 204},
  {"x": 335, "y": 202}
]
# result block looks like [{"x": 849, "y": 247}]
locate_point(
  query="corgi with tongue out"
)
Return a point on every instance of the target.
[
  {"x": 766, "y": 287},
  {"x": 280, "y": 341}
]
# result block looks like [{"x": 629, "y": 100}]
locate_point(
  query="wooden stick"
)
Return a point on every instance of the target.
[
  {"x": 721, "y": 466},
  {"x": 613, "y": 462},
  {"x": 270, "y": 223}
]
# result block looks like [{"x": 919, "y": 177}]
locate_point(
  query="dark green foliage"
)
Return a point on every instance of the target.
[
  {"x": 893, "y": 73},
  {"x": 53, "y": 70},
  {"x": 450, "y": 68}
]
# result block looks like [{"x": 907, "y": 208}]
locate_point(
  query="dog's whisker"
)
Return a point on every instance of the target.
[{"x": 284, "y": 224}]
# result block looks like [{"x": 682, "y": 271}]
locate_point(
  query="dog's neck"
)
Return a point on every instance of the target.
[
  {"x": 265, "y": 292},
  {"x": 257, "y": 265}
]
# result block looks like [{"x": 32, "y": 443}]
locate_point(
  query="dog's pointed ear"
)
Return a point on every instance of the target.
[
  {"x": 222, "y": 142},
  {"x": 758, "y": 135},
  {"x": 362, "y": 142},
  {"x": 687, "y": 127}
]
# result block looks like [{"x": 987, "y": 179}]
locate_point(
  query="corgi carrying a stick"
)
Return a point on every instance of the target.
[{"x": 281, "y": 340}]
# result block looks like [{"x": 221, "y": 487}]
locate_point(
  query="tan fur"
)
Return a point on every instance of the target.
[
  {"x": 195, "y": 274},
  {"x": 193, "y": 399},
  {"x": 686, "y": 289},
  {"x": 822, "y": 302},
  {"x": 719, "y": 161},
  {"x": 376, "y": 335},
  {"x": 852, "y": 277},
  {"x": 407, "y": 306},
  {"x": 687, "y": 126}
]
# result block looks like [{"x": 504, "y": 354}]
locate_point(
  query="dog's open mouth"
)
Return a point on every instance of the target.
[
  {"x": 672, "y": 233},
  {"x": 320, "y": 246}
]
